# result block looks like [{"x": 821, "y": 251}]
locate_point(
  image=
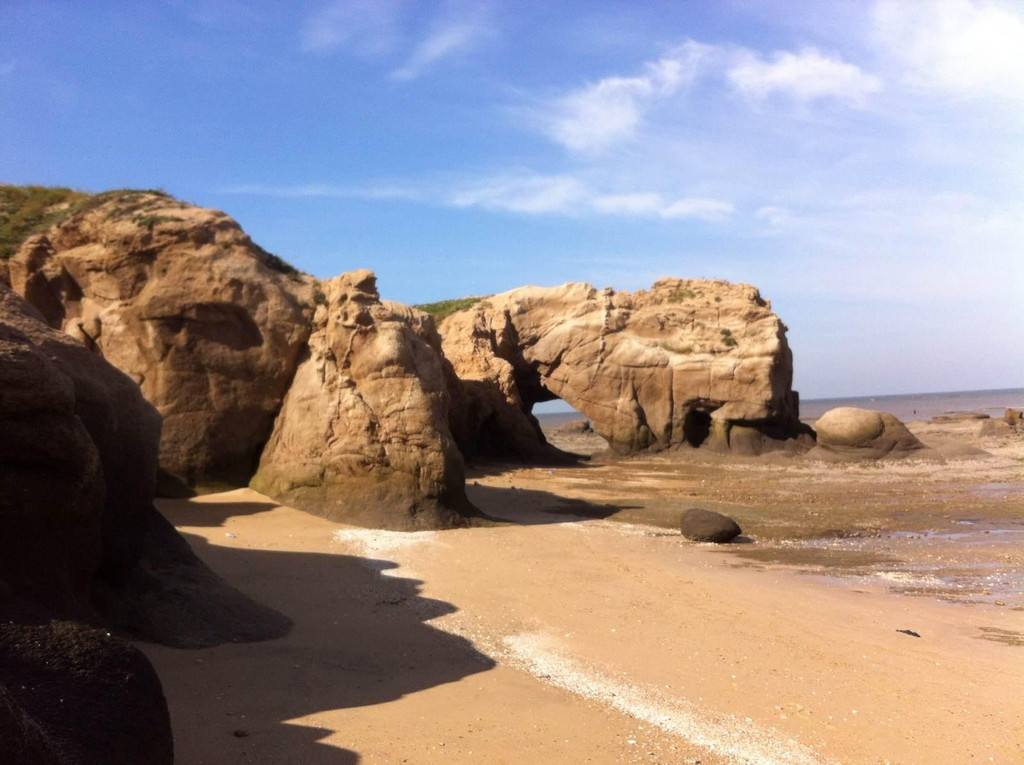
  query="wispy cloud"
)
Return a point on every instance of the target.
[
  {"x": 521, "y": 193},
  {"x": 395, "y": 30},
  {"x": 967, "y": 48},
  {"x": 363, "y": 27},
  {"x": 447, "y": 39},
  {"x": 592, "y": 118},
  {"x": 806, "y": 75},
  {"x": 531, "y": 194},
  {"x": 326, "y": 191}
]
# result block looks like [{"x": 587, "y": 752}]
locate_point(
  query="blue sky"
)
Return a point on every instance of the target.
[{"x": 862, "y": 163}]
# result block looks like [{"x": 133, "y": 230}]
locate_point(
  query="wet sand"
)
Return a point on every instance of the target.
[
  {"x": 952, "y": 529},
  {"x": 576, "y": 626}
]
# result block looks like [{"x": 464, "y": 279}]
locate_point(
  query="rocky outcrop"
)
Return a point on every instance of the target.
[
  {"x": 848, "y": 432},
  {"x": 178, "y": 297},
  {"x": 81, "y": 543},
  {"x": 363, "y": 433},
  {"x": 688, "y": 362}
]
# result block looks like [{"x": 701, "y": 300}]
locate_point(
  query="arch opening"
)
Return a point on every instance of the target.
[{"x": 696, "y": 427}]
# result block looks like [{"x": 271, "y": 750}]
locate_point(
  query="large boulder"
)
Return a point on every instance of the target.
[
  {"x": 69, "y": 422},
  {"x": 178, "y": 297},
  {"x": 77, "y": 462},
  {"x": 80, "y": 541},
  {"x": 854, "y": 433},
  {"x": 74, "y": 695},
  {"x": 683, "y": 363},
  {"x": 78, "y": 466},
  {"x": 363, "y": 434}
]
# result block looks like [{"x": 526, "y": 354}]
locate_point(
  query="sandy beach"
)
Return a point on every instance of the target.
[{"x": 573, "y": 627}]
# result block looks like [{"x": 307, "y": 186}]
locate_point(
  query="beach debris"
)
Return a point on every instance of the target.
[
  {"x": 575, "y": 427},
  {"x": 910, "y": 632},
  {"x": 708, "y": 526},
  {"x": 960, "y": 416}
]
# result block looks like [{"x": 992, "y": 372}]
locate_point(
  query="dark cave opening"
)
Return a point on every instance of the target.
[{"x": 696, "y": 427}]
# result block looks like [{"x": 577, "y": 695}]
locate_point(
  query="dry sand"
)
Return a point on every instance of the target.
[{"x": 557, "y": 634}]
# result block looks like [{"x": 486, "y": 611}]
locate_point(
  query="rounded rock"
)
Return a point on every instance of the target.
[
  {"x": 849, "y": 426},
  {"x": 708, "y": 526}
]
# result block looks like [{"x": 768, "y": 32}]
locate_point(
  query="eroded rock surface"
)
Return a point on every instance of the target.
[
  {"x": 363, "y": 433},
  {"x": 854, "y": 433},
  {"x": 180, "y": 299},
  {"x": 687, "y": 362}
]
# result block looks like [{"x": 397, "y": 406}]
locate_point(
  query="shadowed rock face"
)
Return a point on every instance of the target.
[
  {"x": 363, "y": 433},
  {"x": 180, "y": 299},
  {"x": 687, "y": 362},
  {"x": 81, "y": 542}
]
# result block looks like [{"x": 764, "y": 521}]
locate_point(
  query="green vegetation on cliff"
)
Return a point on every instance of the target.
[
  {"x": 443, "y": 308},
  {"x": 28, "y": 210}
]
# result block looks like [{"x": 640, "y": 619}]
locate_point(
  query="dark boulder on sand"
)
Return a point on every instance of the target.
[
  {"x": 575, "y": 428},
  {"x": 708, "y": 526}
]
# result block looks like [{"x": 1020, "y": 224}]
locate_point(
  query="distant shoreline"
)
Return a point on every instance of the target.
[{"x": 906, "y": 406}]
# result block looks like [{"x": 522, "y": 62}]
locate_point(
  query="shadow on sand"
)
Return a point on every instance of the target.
[
  {"x": 359, "y": 638},
  {"x": 528, "y": 507}
]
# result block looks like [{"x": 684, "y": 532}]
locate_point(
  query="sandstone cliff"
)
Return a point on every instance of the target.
[
  {"x": 363, "y": 433},
  {"x": 212, "y": 328},
  {"x": 687, "y": 362},
  {"x": 178, "y": 297}
]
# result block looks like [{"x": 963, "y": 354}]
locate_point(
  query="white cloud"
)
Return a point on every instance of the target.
[
  {"x": 774, "y": 216},
  {"x": 807, "y": 75},
  {"x": 964, "y": 47},
  {"x": 701, "y": 208},
  {"x": 600, "y": 114},
  {"x": 393, "y": 29},
  {"x": 629, "y": 204},
  {"x": 593, "y": 118},
  {"x": 363, "y": 27},
  {"x": 445, "y": 40},
  {"x": 566, "y": 195},
  {"x": 524, "y": 193}
]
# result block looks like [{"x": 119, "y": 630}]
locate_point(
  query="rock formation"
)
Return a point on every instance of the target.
[
  {"x": 848, "y": 432},
  {"x": 688, "y": 362},
  {"x": 179, "y": 298},
  {"x": 363, "y": 433},
  {"x": 80, "y": 541}
]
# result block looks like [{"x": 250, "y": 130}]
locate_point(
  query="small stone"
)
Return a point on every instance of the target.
[
  {"x": 909, "y": 632},
  {"x": 240, "y": 733}
]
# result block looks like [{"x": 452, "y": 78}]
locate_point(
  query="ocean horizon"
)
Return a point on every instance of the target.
[{"x": 905, "y": 406}]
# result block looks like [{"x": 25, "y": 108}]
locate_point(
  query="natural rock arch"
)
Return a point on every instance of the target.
[{"x": 688, "y": 362}]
